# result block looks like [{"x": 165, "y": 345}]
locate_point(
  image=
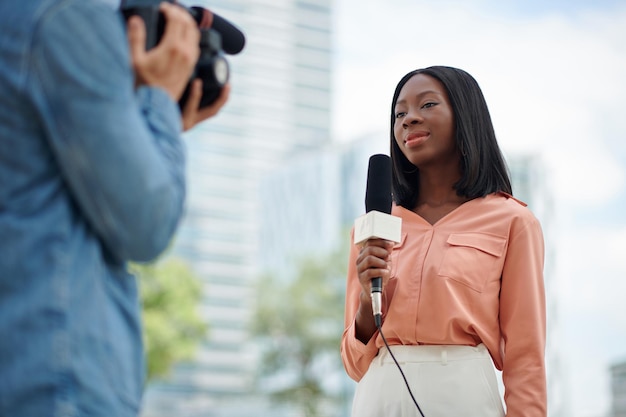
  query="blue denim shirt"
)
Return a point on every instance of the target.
[{"x": 91, "y": 176}]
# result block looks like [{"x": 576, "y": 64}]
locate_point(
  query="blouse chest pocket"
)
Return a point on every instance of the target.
[
  {"x": 470, "y": 258},
  {"x": 395, "y": 255}
]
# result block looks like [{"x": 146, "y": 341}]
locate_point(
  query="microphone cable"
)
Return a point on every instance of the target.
[{"x": 380, "y": 330}]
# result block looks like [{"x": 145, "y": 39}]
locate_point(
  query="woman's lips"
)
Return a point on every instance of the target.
[{"x": 416, "y": 139}]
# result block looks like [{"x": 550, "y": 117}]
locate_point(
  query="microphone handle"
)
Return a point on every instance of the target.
[{"x": 377, "y": 289}]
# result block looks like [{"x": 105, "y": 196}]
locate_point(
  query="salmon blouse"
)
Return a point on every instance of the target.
[{"x": 475, "y": 276}]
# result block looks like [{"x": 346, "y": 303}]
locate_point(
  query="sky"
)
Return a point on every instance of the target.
[{"x": 554, "y": 77}]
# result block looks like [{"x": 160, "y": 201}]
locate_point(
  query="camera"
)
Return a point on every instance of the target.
[{"x": 217, "y": 36}]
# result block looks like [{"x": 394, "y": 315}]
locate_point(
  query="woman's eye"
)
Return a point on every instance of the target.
[
  {"x": 429, "y": 104},
  {"x": 400, "y": 114}
]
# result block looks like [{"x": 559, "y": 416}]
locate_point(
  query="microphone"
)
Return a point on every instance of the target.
[
  {"x": 378, "y": 222},
  {"x": 233, "y": 40}
]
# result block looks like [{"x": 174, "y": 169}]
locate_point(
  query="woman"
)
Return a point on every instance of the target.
[{"x": 464, "y": 288}]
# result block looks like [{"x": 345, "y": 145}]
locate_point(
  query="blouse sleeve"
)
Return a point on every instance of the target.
[
  {"x": 523, "y": 321},
  {"x": 355, "y": 355}
]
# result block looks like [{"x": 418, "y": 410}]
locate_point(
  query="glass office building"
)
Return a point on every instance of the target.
[
  {"x": 618, "y": 389},
  {"x": 279, "y": 107}
]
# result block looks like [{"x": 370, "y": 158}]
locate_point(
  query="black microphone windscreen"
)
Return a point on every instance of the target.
[{"x": 378, "y": 191}]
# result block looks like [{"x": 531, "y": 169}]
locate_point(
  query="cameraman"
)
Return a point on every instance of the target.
[{"x": 91, "y": 176}]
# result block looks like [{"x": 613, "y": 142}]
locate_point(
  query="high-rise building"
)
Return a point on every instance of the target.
[
  {"x": 618, "y": 390},
  {"x": 279, "y": 106}
]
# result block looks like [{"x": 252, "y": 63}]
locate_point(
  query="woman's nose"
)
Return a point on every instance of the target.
[{"x": 413, "y": 117}]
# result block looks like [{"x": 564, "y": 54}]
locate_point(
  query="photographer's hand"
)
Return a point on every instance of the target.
[
  {"x": 192, "y": 115},
  {"x": 170, "y": 64}
]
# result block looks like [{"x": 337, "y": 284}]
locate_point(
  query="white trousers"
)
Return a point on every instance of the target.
[{"x": 446, "y": 381}]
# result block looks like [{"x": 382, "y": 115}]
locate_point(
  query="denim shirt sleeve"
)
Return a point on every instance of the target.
[{"x": 118, "y": 149}]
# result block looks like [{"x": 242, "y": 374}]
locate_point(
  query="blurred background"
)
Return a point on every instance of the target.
[{"x": 256, "y": 274}]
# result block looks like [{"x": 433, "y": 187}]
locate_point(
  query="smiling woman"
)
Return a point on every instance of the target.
[{"x": 464, "y": 290}]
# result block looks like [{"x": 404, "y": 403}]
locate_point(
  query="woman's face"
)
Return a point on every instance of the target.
[{"x": 424, "y": 123}]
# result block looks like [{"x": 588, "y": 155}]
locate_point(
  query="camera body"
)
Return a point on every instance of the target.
[{"x": 212, "y": 67}]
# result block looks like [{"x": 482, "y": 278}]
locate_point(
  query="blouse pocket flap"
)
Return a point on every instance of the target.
[{"x": 491, "y": 244}]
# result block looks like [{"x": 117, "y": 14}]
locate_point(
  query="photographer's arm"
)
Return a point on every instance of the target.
[{"x": 119, "y": 153}]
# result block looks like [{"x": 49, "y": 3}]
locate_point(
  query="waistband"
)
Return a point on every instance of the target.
[{"x": 431, "y": 353}]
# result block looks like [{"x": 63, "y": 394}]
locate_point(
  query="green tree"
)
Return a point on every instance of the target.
[
  {"x": 173, "y": 327},
  {"x": 299, "y": 323}
]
